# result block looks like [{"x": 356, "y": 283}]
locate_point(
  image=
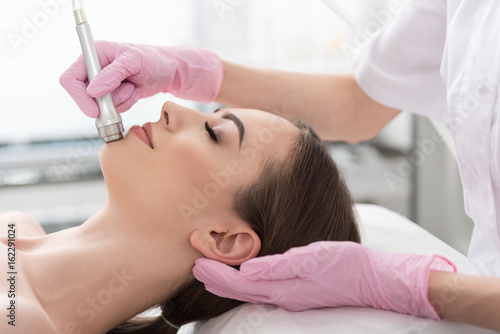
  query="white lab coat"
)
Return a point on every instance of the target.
[{"x": 441, "y": 58}]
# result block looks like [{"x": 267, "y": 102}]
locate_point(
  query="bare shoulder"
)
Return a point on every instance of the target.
[
  {"x": 25, "y": 225},
  {"x": 26, "y": 316}
]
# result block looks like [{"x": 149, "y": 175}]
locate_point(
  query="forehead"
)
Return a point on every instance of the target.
[{"x": 267, "y": 134}]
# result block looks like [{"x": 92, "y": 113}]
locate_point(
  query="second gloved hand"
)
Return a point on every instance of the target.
[
  {"x": 328, "y": 274},
  {"x": 134, "y": 71}
]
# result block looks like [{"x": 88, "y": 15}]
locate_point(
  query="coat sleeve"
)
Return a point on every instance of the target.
[{"x": 400, "y": 66}]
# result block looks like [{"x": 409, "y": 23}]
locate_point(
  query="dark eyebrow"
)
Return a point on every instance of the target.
[{"x": 237, "y": 122}]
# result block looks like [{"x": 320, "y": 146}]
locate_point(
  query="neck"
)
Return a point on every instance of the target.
[{"x": 102, "y": 273}]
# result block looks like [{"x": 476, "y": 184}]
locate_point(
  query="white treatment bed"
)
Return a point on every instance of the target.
[{"x": 381, "y": 229}]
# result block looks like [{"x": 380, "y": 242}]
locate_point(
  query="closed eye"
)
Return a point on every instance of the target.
[{"x": 211, "y": 132}]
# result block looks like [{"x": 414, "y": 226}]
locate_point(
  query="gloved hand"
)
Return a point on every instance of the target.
[
  {"x": 328, "y": 274},
  {"x": 134, "y": 71}
]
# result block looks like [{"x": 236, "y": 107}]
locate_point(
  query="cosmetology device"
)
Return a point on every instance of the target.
[{"x": 109, "y": 123}]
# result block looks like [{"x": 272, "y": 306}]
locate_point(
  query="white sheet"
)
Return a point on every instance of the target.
[{"x": 381, "y": 229}]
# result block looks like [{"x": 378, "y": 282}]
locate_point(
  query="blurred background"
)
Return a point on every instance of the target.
[{"x": 49, "y": 150}]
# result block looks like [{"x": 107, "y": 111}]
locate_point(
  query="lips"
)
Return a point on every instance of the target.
[
  {"x": 148, "y": 128},
  {"x": 145, "y": 133}
]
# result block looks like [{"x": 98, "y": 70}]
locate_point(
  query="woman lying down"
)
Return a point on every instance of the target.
[{"x": 220, "y": 188}]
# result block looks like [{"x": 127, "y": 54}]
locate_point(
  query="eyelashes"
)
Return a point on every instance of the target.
[
  {"x": 211, "y": 132},
  {"x": 214, "y": 135}
]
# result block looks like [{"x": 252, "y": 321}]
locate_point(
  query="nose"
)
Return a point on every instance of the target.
[{"x": 174, "y": 117}]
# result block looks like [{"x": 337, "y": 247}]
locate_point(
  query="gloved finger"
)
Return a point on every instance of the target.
[
  {"x": 126, "y": 98},
  {"x": 111, "y": 76},
  {"x": 209, "y": 270},
  {"x": 77, "y": 90},
  {"x": 217, "y": 278},
  {"x": 123, "y": 93},
  {"x": 225, "y": 281},
  {"x": 224, "y": 292},
  {"x": 74, "y": 81},
  {"x": 231, "y": 284},
  {"x": 297, "y": 262},
  {"x": 294, "y": 263},
  {"x": 77, "y": 71},
  {"x": 278, "y": 268}
]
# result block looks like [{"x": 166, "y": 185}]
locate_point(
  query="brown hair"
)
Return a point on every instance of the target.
[{"x": 294, "y": 202}]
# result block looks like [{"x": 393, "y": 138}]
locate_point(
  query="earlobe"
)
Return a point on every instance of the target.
[{"x": 232, "y": 247}]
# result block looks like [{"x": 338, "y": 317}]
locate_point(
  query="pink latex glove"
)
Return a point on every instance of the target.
[
  {"x": 134, "y": 71},
  {"x": 328, "y": 274}
]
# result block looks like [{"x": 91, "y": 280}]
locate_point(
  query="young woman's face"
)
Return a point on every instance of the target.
[{"x": 196, "y": 162}]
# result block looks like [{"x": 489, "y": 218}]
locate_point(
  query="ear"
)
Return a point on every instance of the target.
[{"x": 231, "y": 243}]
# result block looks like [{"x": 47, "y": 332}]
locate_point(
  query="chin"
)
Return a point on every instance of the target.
[
  {"x": 113, "y": 155},
  {"x": 105, "y": 158},
  {"x": 122, "y": 170},
  {"x": 115, "y": 166}
]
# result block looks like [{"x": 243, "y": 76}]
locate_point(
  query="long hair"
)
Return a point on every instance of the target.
[{"x": 294, "y": 202}]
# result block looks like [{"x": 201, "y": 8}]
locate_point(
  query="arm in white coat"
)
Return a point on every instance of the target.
[{"x": 333, "y": 104}]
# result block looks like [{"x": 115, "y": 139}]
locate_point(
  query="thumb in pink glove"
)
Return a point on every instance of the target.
[
  {"x": 134, "y": 71},
  {"x": 328, "y": 274}
]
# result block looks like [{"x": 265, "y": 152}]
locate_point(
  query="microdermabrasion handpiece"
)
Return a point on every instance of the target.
[{"x": 109, "y": 123}]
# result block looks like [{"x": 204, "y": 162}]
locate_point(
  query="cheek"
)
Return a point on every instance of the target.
[
  {"x": 175, "y": 173},
  {"x": 194, "y": 176},
  {"x": 184, "y": 161}
]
